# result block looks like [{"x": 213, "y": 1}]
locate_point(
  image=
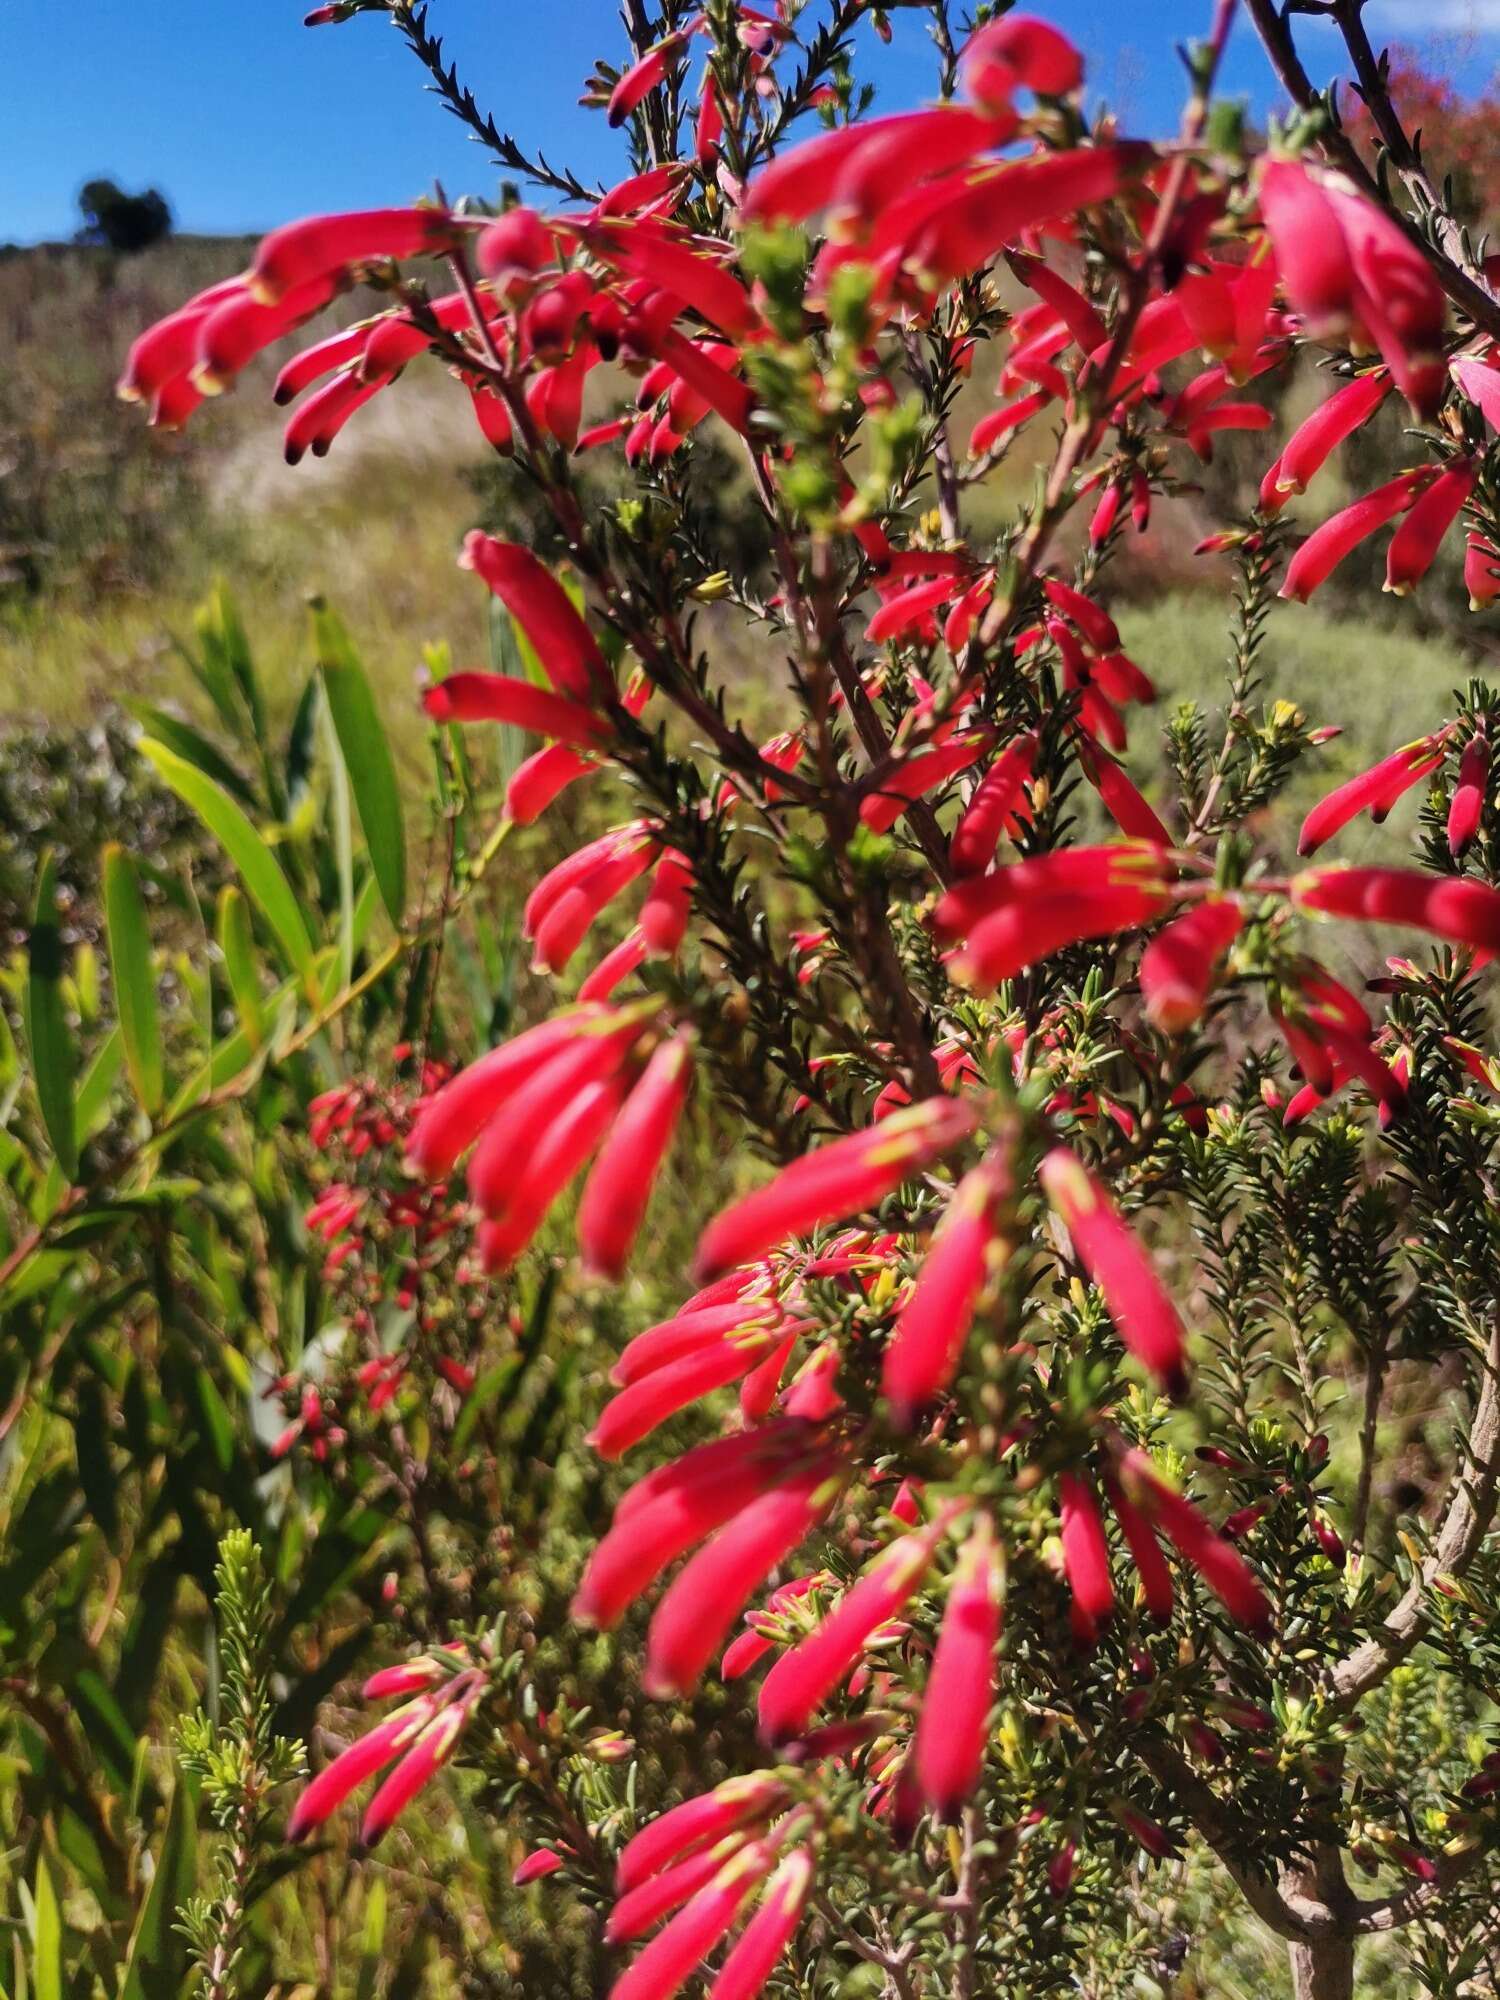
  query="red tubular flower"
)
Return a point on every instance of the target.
[
  {"x": 1177, "y": 967},
  {"x": 1098, "y": 628},
  {"x": 760, "y": 1945},
  {"x": 910, "y": 612},
  {"x": 361, "y": 1760},
  {"x": 988, "y": 211},
  {"x": 698, "y": 1822},
  {"x": 991, "y": 810},
  {"x": 1347, "y": 410},
  {"x": 165, "y": 352},
  {"x": 643, "y": 1907},
  {"x": 1020, "y": 50},
  {"x": 1144, "y": 1315},
  {"x": 1415, "y": 542},
  {"x": 643, "y": 76},
  {"x": 1466, "y": 809},
  {"x": 1087, "y": 329},
  {"x": 536, "y": 1867},
  {"x": 917, "y": 148},
  {"x": 1397, "y": 298},
  {"x": 1132, "y": 872},
  {"x": 988, "y": 432},
  {"x": 1481, "y": 572},
  {"x": 1463, "y": 912},
  {"x": 513, "y": 1218},
  {"x": 665, "y": 912},
  {"x": 514, "y": 248},
  {"x": 928, "y": 1338},
  {"x": 515, "y": 1135},
  {"x": 648, "y": 1402},
  {"x": 619, "y": 1187},
  {"x": 449, "y": 1122},
  {"x": 917, "y": 777},
  {"x": 1327, "y": 546},
  {"x": 1022, "y": 933},
  {"x": 545, "y": 613},
  {"x": 1123, "y": 800},
  {"x": 675, "y": 1508},
  {"x": 839, "y": 1180},
  {"x": 678, "y": 1951},
  {"x": 949, "y": 1753},
  {"x": 1220, "y": 1565},
  {"x": 300, "y": 252},
  {"x": 646, "y": 248},
  {"x": 1145, "y": 1553},
  {"x": 1085, "y": 1556},
  {"x": 491, "y": 697},
  {"x": 318, "y": 422},
  {"x": 699, "y": 370},
  {"x": 238, "y": 327},
  {"x": 418, "y": 1767},
  {"x": 1374, "y": 791},
  {"x": 536, "y": 782},
  {"x": 712, "y": 1590},
  {"x": 338, "y": 351},
  {"x": 565, "y": 903},
  {"x": 803, "y": 1677},
  {"x": 1347, "y": 267}
]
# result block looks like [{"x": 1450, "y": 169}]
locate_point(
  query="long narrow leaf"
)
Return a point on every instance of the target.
[
  {"x": 259, "y": 869},
  {"x": 367, "y": 758},
  {"x": 135, "y": 977},
  {"x": 53, "y": 1058}
]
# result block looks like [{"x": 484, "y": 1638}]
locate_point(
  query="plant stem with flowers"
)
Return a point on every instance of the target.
[{"x": 1094, "y": 1177}]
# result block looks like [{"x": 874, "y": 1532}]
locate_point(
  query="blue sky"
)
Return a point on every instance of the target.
[{"x": 243, "y": 117}]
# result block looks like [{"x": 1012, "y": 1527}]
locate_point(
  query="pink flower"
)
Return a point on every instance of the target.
[
  {"x": 677, "y": 1951},
  {"x": 1019, "y": 50},
  {"x": 417, "y": 1738},
  {"x": 643, "y": 76},
  {"x": 803, "y": 1678},
  {"x": 1177, "y": 967},
  {"x": 760, "y": 1945},
  {"x": 1463, "y": 912},
  {"x": 1375, "y": 790},
  {"x": 299, "y": 252},
  {"x": 619, "y": 1187},
  {"x": 675, "y": 1508},
  {"x": 1144, "y": 1315},
  {"x": 992, "y": 809},
  {"x": 545, "y": 613},
  {"x": 698, "y": 1822},
  {"x": 492, "y": 697},
  {"x": 1220, "y": 1565},
  {"x": 1347, "y": 410},
  {"x": 691, "y": 1622},
  {"x": 1085, "y": 1556},
  {"x": 1466, "y": 810},
  {"x": 960, "y": 1688},
  {"x": 839, "y": 1180},
  {"x": 1342, "y": 533},
  {"x": 931, "y": 1328},
  {"x": 1415, "y": 543},
  {"x": 537, "y": 1866}
]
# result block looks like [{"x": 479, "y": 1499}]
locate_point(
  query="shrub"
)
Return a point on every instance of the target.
[{"x": 1104, "y": 1501}]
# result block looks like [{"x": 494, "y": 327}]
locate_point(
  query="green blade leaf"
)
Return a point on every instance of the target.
[
  {"x": 367, "y": 756},
  {"x": 46, "y": 1936},
  {"x": 47, "y": 1033},
  {"x": 259, "y": 869},
  {"x": 158, "y": 1952},
  {"x": 237, "y": 943},
  {"x": 135, "y": 978},
  {"x": 191, "y": 745}
]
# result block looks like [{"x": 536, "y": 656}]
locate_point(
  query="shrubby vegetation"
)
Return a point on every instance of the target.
[{"x": 1084, "y": 1435}]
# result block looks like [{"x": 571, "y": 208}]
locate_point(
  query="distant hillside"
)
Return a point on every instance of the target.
[{"x": 109, "y": 531}]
